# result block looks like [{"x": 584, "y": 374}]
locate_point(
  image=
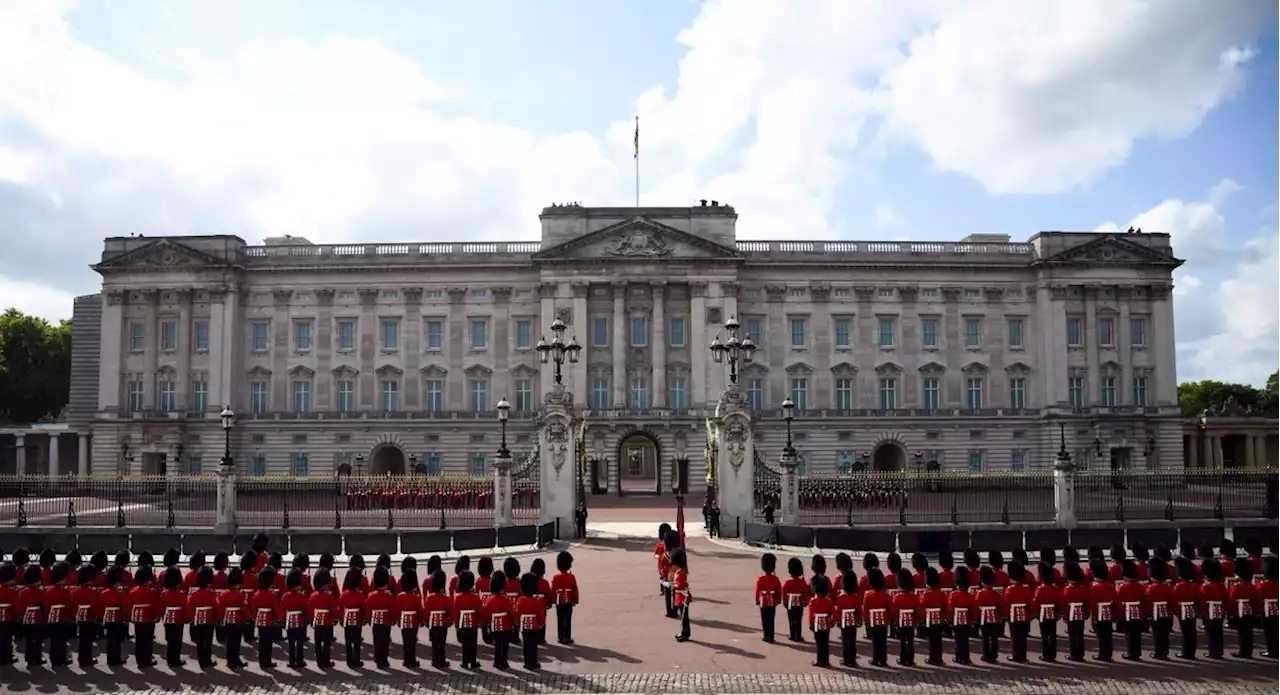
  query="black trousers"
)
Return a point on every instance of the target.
[
  {"x": 960, "y": 633},
  {"x": 669, "y": 599},
  {"x": 266, "y": 642},
  {"x": 409, "y": 640},
  {"x": 879, "y": 644},
  {"x": 324, "y": 647},
  {"x": 1213, "y": 630},
  {"x": 234, "y": 635},
  {"x": 933, "y": 634},
  {"x": 907, "y": 645},
  {"x": 438, "y": 636},
  {"x": 767, "y": 619},
  {"x": 822, "y": 641},
  {"x": 467, "y": 638},
  {"x": 1160, "y": 630},
  {"x": 88, "y": 634},
  {"x": 1270, "y": 634},
  {"x": 173, "y": 644},
  {"x": 203, "y": 635},
  {"x": 1049, "y": 640},
  {"x": 352, "y": 637},
  {"x": 382, "y": 645},
  {"x": 501, "y": 646},
  {"x": 1133, "y": 630},
  {"x": 58, "y": 633},
  {"x": 795, "y": 621},
  {"x": 564, "y": 623},
  {"x": 991, "y": 641},
  {"x": 684, "y": 621},
  {"x": 34, "y": 636},
  {"x": 1106, "y": 645},
  {"x": 1018, "y": 634},
  {"x": 485, "y": 634},
  {"x": 1190, "y": 638},
  {"x": 115, "y": 643},
  {"x": 296, "y": 638},
  {"x": 530, "y": 643},
  {"x": 1075, "y": 639},
  {"x": 248, "y": 634},
  {"x": 6, "y": 643},
  {"x": 144, "y": 644},
  {"x": 848, "y": 645},
  {"x": 1244, "y": 636}
]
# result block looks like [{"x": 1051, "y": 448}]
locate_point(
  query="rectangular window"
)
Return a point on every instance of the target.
[
  {"x": 755, "y": 330},
  {"x": 193, "y": 465},
  {"x": 639, "y": 331},
  {"x": 929, "y": 333},
  {"x": 135, "y": 396},
  {"x": 258, "y": 465},
  {"x": 524, "y": 395},
  {"x": 1015, "y": 332},
  {"x": 888, "y": 394},
  {"x": 390, "y": 331},
  {"x": 434, "y": 400},
  {"x": 432, "y": 462},
  {"x": 1108, "y": 395},
  {"x": 390, "y": 396},
  {"x": 1140, "y": 390},
  {"x": 1018, "y": 459},
  {"x": 258, "y": 396},
  {"x": 755, "y": 393},
  {"x": 1075, "y": 331},
  {"x": 800, "y": 393},
  {"x": 639, "y": 393},
  {"x": 599, "y": 393},
  {"x": 930, "y": 393},
  {"x": 1105, "y": 338},
  {"x": 201, "y": 335},
  {"x": 797, "y": 332},
  {"x": 260, "y": 336},
  {"x": 1075, "y": 392},
  {"x": 975, "y": 460},
  {"x": 302, "y": 396},
  {"x": 973, "y": 392},
  {"x": 346, "y": 395},
  {"x": 477, "y": 465},
  {"x": 1018, "y": 393},
  {"x": 479, "y": 334},
  {"x": 1138, "y": 332},
  {"x": 524, "y": 334},
  {"x": 885, "y": 337},
  {"x": 972, "y": 332},
  {"x": 843, "y": 338},
  {"x": 435, "y": 335},
  {"x": 199, "y": 396},
  {"x": 301, "y": 465},
  {"x": 168, "y": 399},
  {"x": 390, "y": 295},
  {"x": 168, "y": 336},
  {"x": 137, "y": 337},
  {"x": 599, "y": 331},
  {"x": 479, "y": 395},
  {"x": 972, "y": 293},
  {"x": 675, "y": 331},
  {"x": 346, "y": 335},
  {"x": 676, "y": 394},
  {"x": 844, "y": 394},
  {"x": 302, "y": 335}
]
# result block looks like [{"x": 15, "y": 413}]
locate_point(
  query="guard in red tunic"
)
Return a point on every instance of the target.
[
  {"x": 849, "y": 616},
  {"x": 1131, "y": 598},
  {"x": 1186, "y": 606},
  {"x": 564, "y": 592},
  {"x": 1046, "y": 601},
  {"x": 266, "y": 611},
  {"x": 248, "y": 586},
  {"x": 1159, "y": 610},
  {"x": 463, "y": 564},
  {"x": 378, "y": 608},
  {"x": 9, "y": 615},
  {"x": 844, "y": 563},
  {"x": 538, "y": 568},
  {"x": 174, "y": 600},
  {"x": 501, "y": 617},
  {"x": 409, "y": 615},
  {"x": 202, "y": 609},
  {"x": 875, "y": 615},
  {"x": 113, "y": 598},
  {"x": 933, "y": 611},
  {"x": 59, "y": 614},
  {"x": 143, "y": 608},
  {"x": 1267, "y": 596},
  {"x": 484, "y": 572},
  {"x": 351, "y": 604},
  {"x": 822, "y": 618},
  {"x": 1102, "y": 608},
  {"x": 511, "y": 568},
  {"x": 795, "y": 595},
  {"x": 960, "y": 616},
  {"x": 1018, "y": 601},
  {"x": 468, "y": 615},
  {"x": 1213, "y": 606},
  {"x": 293, "y": 609},
  {"x": 439, "y": 617},
  {"x": 322, "y": 613},
  {"x": 768, "y": 593},
  {"x": 989, "y": 605},
  {"x": 231, "y": 612},
  {"x": 531, "y": 614},
  {"x": 905, "y": 608},
  {"x": 86, "y": 602},
  {"x": 683, "y": 596},
  {"x": 1244, "y": 606}
]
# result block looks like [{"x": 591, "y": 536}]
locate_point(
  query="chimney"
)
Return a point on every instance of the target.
[
  {"x": 704, "y": 202},
  {"x": 715, "y": 203}
]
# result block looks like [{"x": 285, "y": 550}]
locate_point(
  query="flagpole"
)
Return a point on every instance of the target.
[{"x": 637, "y": 158}]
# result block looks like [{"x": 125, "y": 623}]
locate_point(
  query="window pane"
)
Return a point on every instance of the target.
[
  {"x": 639, "y": 331},
  {"x": 479, "y": 334}
]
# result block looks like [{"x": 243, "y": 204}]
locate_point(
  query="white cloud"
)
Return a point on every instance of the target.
[{"x": 887, "y": 216}]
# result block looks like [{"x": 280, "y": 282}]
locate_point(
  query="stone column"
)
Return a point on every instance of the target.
[
  {"x": 619, "y": 349},
  {"x": 182, "y": 382},
  {"x": 581, "y": 329},
  {"x": 151, "y": 350},
  {"x": 558, "y": 439},
  {"x": 225, "y": 521},
  {"x": 54, "y": 453},
  {"x": 698, "y": 343},
  {"x": 111, "y": 344},
  {"x": 1123, "y": 339},
  {"x": 501, "y": 491},
  {"x": 1162, "y": 347},
  {"x": 20, "y": 454},
  {"x": 1206, "y": 444},
  {"x": 1193, "y": 451},
  {"x": 1094, "y": 389},
  {"x": 735, "y": 458},
  {"x": 658, "y": 338},
  {"x": 83, "y": 456},
  {"x": 1217, "y": 452},
  {"x": 1064, "y": 498},
  {"x": 790, "y": 489}
]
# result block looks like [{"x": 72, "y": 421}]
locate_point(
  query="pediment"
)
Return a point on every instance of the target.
[
  {"x": 932, "y": 368},
  {"x": 1109, "y": 366},
  {"x": 800, "y": 368},
  {"x": 974, "y": 368},
  {"x": 844, "y": 368},
  {"x": 477, "y": 370},
  {"x": 302, "y": 371},
  {"x": 434, "y": 371},
  {"x": 166, "y": 372},
  {"x": 161, "y": 254},
  {"x": 755, "y": 369},
  {"x": 888, "y": 368},
  {"x": 1112, "y": 250},
  {"x": 637, "y": 239},
  {"x": 1018, "y": 368},
  {"x": 524, "y": 371},
  {"x": 344, "y": 371},
  {"x": 388, "y": 370},
  {"x": 259, "y": 372}
]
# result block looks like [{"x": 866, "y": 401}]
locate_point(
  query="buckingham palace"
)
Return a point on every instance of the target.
[{"x": 392, "y": 356}]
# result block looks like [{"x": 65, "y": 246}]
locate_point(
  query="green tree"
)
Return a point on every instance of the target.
[
  {"x": 1218, "y": 397},
  {"x": 35, "y": 366}
]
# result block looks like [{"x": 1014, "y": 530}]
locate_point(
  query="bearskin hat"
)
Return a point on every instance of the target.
[
  {"x": 172, "y": 578},
  {"x": 293, "y": 580},
  {"x": 204, "y": 577},
  {"x": 795, "y": 567},
  {"x": 528, "y": 584},
  {"x": 381, "y": 577},
  {"x": 768, "y": 563},
  {"x": 564, "y": 561},
  {"x": 498, "y": 583}
]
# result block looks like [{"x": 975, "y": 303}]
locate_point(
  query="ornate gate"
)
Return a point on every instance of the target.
[{"x": 768, "y": 491}]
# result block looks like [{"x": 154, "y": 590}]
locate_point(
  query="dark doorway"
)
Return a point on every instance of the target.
[
  {"x": 680, "y": 468},
  {"x": 889, "y": 457},
  {"x": 388, "y": 460},
  {"x": 639, "y": 470},
  {"x": 599, "y": 467}
]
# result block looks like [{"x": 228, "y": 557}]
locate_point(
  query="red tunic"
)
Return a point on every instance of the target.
[
  {"x": 821, "y": 610},
  {"x": 1132, "y": 592},
  {"x": 231, "y": 607},
  {"x": 933, "y": 607},
  {"x": 680, "y": 587},
  {"x": 468, "y": 608},
  {"x": 1186, "y": 600},
  {"x": 379, "y": 607},
  {"x": 57, "y": 604},
  {"x": 946, "y": 579},
  {"x": 143, "y": 605},
  {"x": 202, "y": 606},
  {"x": 175, "y": 607},
  {"x": 1046, "y": 600},
  {"x": 768, "y": 591},
  {"x": 531, "y": 613},
  {"x": 544, "y": 592},
  {"x": 86, "y": 604},
  {"x": 31, "y": 605},
  {"x": 795, "y": 592},
  {"x": 499, "y": 611},
  {"x": 352, "y": 600},
  {"x": 1158, "y": 596},
  {"x": 564, "y": 588},
  {"x": 989, "y": 606},
  {"x": 112, "y": 599},
  {"x": 265, "y": 608},
  {"x": 1102, "y": 601},
  {"x": 960, "y": 608},
  {"x": 9, "y": 612},
  {"x": 322, "y": 609},
  {"x": 482, "y": 585},
  {"x": 905, "y": 609},
  {"x": 1212, "y": 592},
  {"x": 1074, "y": 593},
  {"x": 873, "y": 600},
  {"x": 1244, "y": 597},
  {"x": 1018, "y": 601},
  {"x": 1268, "y": 599},
  {"x": 437, "y": 610},
  {"x": 293, "y": 609}
]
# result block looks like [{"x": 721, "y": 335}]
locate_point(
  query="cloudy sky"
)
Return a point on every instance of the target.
[{"x": 897, "y": 119}]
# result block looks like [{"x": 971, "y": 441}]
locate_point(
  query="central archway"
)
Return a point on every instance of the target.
[
  {"x": 639, "y": 464},
  {"x": 387, "y": 459},
  {"x": 889, "y": 456}
]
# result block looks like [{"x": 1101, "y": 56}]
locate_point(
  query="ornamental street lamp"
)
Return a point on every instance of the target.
[
  {"x": 735, "y": 350},
  {"x": 558, "y": 350},
  {"x": 504, "y": 412},
  {"x": 788, "y": 414},
  {"x": 228, "y": 422},
  {"x": 1064, "y": 456},
  {"x": 359, "y": 464}
]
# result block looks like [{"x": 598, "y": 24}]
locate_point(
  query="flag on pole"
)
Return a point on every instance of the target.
[{"x": 636, "y": 154}]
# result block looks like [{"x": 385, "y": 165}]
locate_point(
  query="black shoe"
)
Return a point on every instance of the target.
[
  {"x": 533, "y": 667},
  {"x": 821, "y": 664},
  {"x": 1188, "y": 657},
  {"x": 1016, "y": 660},
  {"x": 1217, "y": 657},
  {"x": 1238, "y": 655},
  {"x": 769, "y": 640},
  {"x": 682, "y": 638},
  {"x": 1130, "y": 657},
  {"x": 383, "y": 665},
  {"x": 1106, "y": 660},
  {"x": 849, "y": 664},
  {"x": 176, "y": 664}
]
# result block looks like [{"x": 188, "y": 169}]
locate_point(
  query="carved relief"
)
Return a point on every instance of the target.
[
  {"x": 547, "y": 290},
  {"x": 344, "y": 371},
  {"x": 908, "y": 294},
  {"x": 735, "y": 442},
  {"x": 258, "y": 372},
  {"x": 932, "y": 369},
  {"x": 1018, "y": 369},
  {"x": 143, "y": 297},
  {"x": 182, "y": 296},
  {"x": 776, "y": 293},
  {"x": 820, "y": 294},
  {"x": 698, "y": 289},
  {"x": 993, "y": 294},
  {"x": 1030, "y": 292},
  {"x": 523, "y": 371},
  {"x": 501, "y": 294},
  {"x": 581, "y": 290},
  {"x": 729, "y": 289},
  {"x": 1159, "y": 292},
  {"x": 844, "y": 370},
  {"x": 477, "y": 370},
  {"x": 389, "y": 370},
  {"x": 457, "y": 294},
  {"x": 864, "y": 294},
  {"x": 324, "y": 297},
  {"x": 281, "y": 296},
  {"x": 412, "y": 295},
  {"x": 974, "y": 368},
  {"x": 888, "y": 369},
  {"x": 1059, "y": 292},
  {"x": 638, "y": 244},
  {"x": 565, "y": 314},
  {"x": 800, "y": 369},
  {"x": 115, "y": 297},
  {"x": 433, "y": 371},
  {"x": 368, "y": 296},
  {"x": 302, "y": 371},
  {"x": 557, "y": 443},
  {"x": 952, "y": 294}
]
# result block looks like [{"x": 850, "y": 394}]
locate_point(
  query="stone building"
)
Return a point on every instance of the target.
[{"x": 897, "y": 354}]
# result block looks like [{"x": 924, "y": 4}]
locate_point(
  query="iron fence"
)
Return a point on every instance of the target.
[
  {"x": 107, "y": 502},
  {"x": 1175, "y": 495}
]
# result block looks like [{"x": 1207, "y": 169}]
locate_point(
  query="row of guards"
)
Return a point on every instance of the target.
[{"x": 411, "y": 495}]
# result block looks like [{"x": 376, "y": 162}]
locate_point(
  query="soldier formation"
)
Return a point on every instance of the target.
[
  {"x": 51, "y": 604},
  {"x": 989, "y": 601}
]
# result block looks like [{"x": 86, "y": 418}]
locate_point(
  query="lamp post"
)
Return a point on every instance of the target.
[
  {"x": 788, "y": 414},
  {"x": 360, "y": 464},
  {"x": 1064, "y": 456},
  {"x": 733, "y": 350},
  {"x": 558, "y": 350},
  {"x": 228, "y": 422},
  {"x": 504, "y": 413},
  {"x": 502, "y": 495},
  {"x": 788, "y": 486}
]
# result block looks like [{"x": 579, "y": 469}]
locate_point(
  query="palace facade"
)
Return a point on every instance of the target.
[{"x": 969, "y": 354}]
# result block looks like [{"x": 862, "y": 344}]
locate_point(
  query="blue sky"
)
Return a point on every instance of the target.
[{"x": 400, "y": 119}]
